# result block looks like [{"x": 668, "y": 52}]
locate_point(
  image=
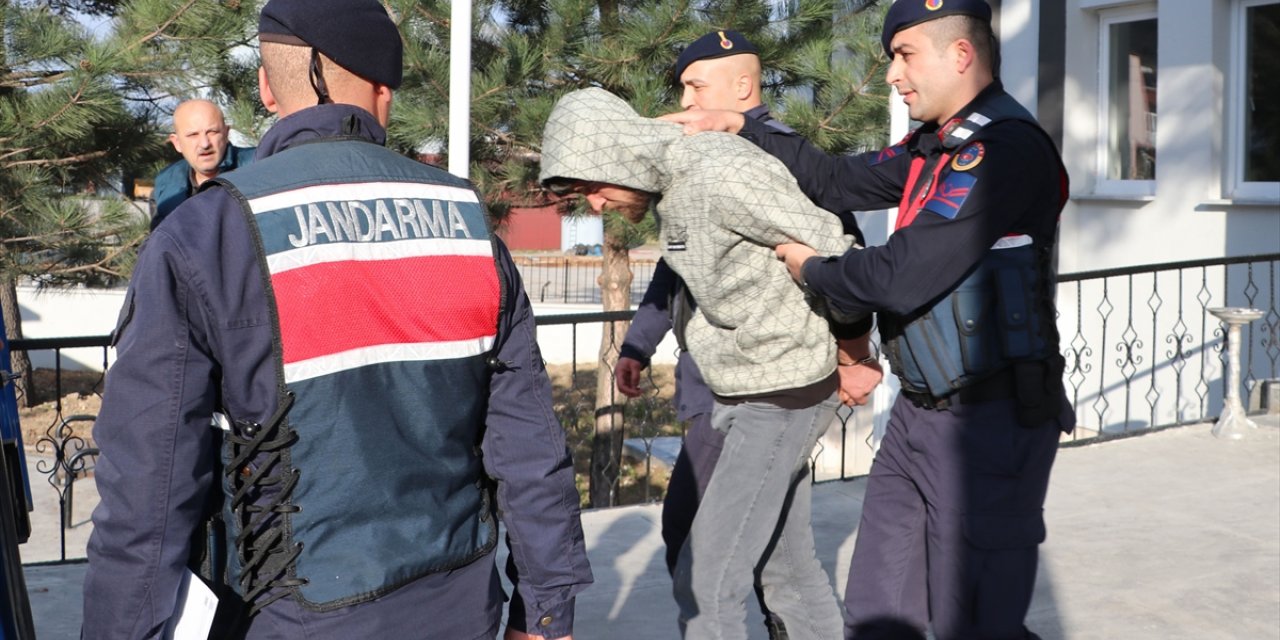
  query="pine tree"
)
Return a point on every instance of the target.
[
  {"x": 824, "y": 77},
  {"x": 78, "y": 110}
]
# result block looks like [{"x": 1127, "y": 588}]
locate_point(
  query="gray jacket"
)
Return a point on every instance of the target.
[{"x": 724, "y": 205}]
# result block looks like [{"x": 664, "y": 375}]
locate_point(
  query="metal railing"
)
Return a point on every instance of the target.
[
  {"x": 1142, "y": 352},
  {"x": 1142, "y": 349},
  {"x": 62, "y": 455},
  {"x": 573, "y": 279}
]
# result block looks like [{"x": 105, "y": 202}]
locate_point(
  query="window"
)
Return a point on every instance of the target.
[
  {"x": 1255, "y": 101},
  {"x": 1128, "y": 78}
]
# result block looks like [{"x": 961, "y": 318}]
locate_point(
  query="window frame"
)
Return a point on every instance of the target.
[
  {"x": 1237, "y": 188},
  {"x": 1107, "y": 186}
]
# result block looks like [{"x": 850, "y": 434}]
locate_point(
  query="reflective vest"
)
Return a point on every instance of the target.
[
  {"x": 999, "y": 315},
  {"x": 385, "y": 299}
]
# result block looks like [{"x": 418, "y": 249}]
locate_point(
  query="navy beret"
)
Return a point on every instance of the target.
[
  {"x": 909, "y": 13},
  {"x": 356, "y": 34},
  {"x": 716, "y": 44}
]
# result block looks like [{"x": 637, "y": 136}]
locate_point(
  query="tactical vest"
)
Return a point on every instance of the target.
[
  {"x": 385, "y": 299},
  {"x": 999, "y": 315}
]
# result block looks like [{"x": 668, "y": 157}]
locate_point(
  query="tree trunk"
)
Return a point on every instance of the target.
[
  {"x": 606, "y": 444},
  {"x": 21, "y": 364}
]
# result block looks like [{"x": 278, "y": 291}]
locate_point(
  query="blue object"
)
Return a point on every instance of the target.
[
  {"x": 909, "y": 13},
  {"x": 373, "y": 53},
  {"x": 716, "y": 44},
  {"x": 10, "y": 429}
]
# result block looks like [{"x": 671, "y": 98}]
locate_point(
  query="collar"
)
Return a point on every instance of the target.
[
  {"x": 321, "y": 121},
  {"x": 759, "y": 112},
  {"x": 958, "y": 129},
  {"x": 227, "y": 163}
]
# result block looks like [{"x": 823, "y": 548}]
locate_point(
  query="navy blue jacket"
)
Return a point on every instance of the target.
[
  {"x": 195, "y": 333},
  {"x": 1017, "y": 189},
  {"x": 173, "y": 183}
]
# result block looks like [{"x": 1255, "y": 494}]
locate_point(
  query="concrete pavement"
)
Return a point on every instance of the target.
[{"x": 1169, "y": 535}]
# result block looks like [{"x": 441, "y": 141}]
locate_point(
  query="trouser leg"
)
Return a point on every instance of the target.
[
  {"x": 886, "y": 593},
  {"x": 689, "y": 479},
  {"x": 742, "y": 507},
  {"x": 986, "y": 478},
  {"x": 796, "y": 587}
]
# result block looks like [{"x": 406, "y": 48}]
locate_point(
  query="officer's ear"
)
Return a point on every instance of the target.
[
  {"x": 965, "y": 54},
  {"x": 743, "y": 86},
  {"x": 382, "y": 103},
  {"x": 264, "y": 92}
]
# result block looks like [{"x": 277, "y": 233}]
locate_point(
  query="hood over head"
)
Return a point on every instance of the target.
[{"x": 596, "y": 136}]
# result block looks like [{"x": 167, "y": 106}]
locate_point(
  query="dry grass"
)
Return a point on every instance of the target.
[{"x": 650, "y": 415}]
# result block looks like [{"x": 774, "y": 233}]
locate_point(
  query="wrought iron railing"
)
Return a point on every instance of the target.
[
  {"x": 62, "y": 455},
  {"x": 573, "y": 280},
  {"x": 1142, "y": 351}
]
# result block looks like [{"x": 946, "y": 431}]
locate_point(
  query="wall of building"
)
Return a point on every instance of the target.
[{"x": 1190, "y": 211}]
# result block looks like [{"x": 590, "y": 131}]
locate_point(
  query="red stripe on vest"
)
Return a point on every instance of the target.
[{"x": 338, "y": 306}]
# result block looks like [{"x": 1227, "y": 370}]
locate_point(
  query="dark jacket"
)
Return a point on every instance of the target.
[
  {"x": 1004, "y": 180},
  {"x": 173, "y": 183},
  {"x": 1017, "y": 191},
  {"x": 195, "y": 333}
]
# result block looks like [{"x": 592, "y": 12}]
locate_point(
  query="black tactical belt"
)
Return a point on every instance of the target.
[{"x": 998, "y": 386}]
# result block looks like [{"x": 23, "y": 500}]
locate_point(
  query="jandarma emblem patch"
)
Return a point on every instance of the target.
[
  {"x": 969, "y": 157},
  {"x": 725, "y": 43},
  {"x": 933, "y": 5}
]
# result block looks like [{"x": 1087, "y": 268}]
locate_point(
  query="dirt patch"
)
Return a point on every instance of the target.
[
  {"x": 81, "y": 396},
  {"x": 651, "y": 415}
]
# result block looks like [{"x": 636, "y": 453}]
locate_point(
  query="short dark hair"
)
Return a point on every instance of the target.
[
  {"x": 948, "y": 29},
  {"x": 561, "y": 186}
]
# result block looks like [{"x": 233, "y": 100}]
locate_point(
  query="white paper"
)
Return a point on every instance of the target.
[{"x": 193, "y": 617}]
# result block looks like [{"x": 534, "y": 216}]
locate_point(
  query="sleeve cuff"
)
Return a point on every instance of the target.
[
  {"x": 551, "y": 622},
  {"x": 851, "y": 330},
  {"x": 630, "y": 351}
]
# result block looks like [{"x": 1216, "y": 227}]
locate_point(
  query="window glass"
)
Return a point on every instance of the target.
[
  {"x": 1262, "y": 94},
  {"x": 1131, "y": 95}
]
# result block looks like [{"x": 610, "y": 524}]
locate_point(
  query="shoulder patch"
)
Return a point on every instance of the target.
[
  {"x": 888, "y": 153},
  {"x": 951, "y": 194},
  {"x": 969, "y": 157}
]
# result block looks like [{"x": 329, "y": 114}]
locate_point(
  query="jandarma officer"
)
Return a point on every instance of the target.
[
  {"x": 378, "y": 389},
  {"x": 964, "y": 292}
]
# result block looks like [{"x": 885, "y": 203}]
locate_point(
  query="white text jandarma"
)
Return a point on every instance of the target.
[{"x": 355, "y": 221}]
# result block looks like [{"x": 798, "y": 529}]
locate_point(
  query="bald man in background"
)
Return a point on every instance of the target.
[{"x": 200, "y": 135}]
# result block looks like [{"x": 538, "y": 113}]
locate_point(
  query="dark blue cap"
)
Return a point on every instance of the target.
[
  {"x": 909, "y": 13},
  {"x": 356, "y": 34},
  {"x": 716, "y": 44}
]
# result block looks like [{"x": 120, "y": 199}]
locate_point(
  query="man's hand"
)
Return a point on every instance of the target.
[
  {"x": 626, "y": 374},
  {"x": 512, "y": 634},
  {"x": 699, "y": 120},
  {"x": 794, "y": 254},
  {"x": 858, "y": 381}
]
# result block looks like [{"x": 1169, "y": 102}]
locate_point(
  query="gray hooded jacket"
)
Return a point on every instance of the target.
[{"x": 725, "y": 204}]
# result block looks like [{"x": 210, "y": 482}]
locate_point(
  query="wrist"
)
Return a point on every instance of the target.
[{"x": 867, "y": 359}]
